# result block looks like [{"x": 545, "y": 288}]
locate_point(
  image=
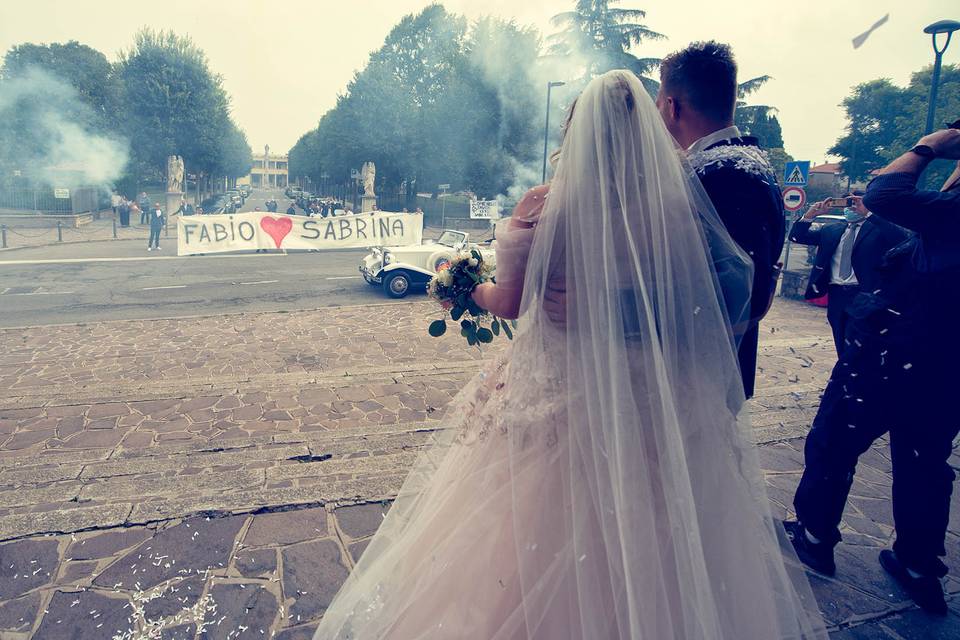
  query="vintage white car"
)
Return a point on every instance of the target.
[{"x": 400, "y": 269}]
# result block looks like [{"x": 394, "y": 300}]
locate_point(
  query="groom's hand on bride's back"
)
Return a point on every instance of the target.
[{"x": 555, "y": 305}]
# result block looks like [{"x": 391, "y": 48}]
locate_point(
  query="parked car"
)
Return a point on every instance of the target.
[{"x": 402, "y": 269}]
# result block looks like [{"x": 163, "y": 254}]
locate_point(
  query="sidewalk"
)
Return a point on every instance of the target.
[
  {"x": 182, "y": 478},
  {"x": 98, "y": 230}
]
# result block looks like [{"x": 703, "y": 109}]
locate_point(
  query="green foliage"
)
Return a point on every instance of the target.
[
  {"x": 58, "y": 107},
  {"x": 174, "y": 105},
  {"x": 596, "y": 37},
  {"x": 778, "y": 160},
  {"x": 85, "y": 69},
  {"x": 440, "y": 102},
  {"x": 884, "y": 120},
  {"x": 160, "y": 95}
]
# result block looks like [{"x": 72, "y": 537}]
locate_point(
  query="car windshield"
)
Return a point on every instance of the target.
[{"x": 451, "y": 238}]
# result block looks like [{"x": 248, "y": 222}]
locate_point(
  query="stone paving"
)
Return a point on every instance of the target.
[{"x": 215, "y": 477}]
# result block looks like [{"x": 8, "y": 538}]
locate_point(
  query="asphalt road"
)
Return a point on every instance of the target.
[{"x": 119, "y": 280}]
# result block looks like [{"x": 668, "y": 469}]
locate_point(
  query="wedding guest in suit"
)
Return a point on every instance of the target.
[
  {"x": 144, "y": 203},
  {"x": 157, "y": 220},
  {"x": 896, "y": 376},
  {"x": 849, "y": 255},
  {"x": 698, "y": 94}
]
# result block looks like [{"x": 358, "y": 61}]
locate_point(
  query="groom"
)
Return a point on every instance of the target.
[{"x": 698, "y": 94}]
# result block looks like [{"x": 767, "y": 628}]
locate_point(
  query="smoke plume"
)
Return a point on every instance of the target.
[{"x": 50, "y": 135}]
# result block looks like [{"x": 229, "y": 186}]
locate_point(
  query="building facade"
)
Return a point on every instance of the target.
[{"x": 268, "y": 171}]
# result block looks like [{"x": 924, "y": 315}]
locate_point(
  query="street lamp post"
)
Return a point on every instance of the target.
[
  {"x": 546, "y": 128},
  {"x": 947, "y": 27}
]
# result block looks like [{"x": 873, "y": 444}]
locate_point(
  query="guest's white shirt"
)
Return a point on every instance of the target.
[
  {"x": 720, "y": 135},
  {"x": 835, "y": 263}
]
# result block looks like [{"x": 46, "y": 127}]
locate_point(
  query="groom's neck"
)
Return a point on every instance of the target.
[{"x": 699, "y": 128}]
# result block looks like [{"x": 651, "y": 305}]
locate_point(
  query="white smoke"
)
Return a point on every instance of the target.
[
  {"x": 523, "y": 93},
  {"x": 50, "y": 134}
]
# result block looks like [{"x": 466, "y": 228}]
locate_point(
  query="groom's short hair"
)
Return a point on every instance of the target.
[{"x": 705, "y": 74}]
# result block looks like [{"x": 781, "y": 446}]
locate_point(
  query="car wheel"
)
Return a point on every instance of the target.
[{"x": 397, "y": 285}]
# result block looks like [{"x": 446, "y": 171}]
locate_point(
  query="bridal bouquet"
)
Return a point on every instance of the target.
[{"x": 452, "y": 287}]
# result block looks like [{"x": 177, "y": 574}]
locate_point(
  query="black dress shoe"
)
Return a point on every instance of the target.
[
  {"x": 926, "y": 591},
  {"x": 818, "y": 557}
]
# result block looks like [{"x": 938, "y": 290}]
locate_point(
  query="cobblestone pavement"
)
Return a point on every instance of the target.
[{"x": 218, "y": 477}]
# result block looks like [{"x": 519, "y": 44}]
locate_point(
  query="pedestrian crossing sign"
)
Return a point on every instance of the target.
[{"x": 795, "y": 173}]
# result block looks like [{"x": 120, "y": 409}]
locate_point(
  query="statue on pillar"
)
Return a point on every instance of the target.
[
  {"x": 368, "y": 173},
  {"x": 174, "y": 174}
]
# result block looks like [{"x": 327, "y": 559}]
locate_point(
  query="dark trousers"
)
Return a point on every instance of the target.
[
  {"x": 154, "y": 239},
  {"x": 876, "y": 388},
  {"x": 747, "y": 357},
  {"x": 838, "y": 300},
  {"x": 144, "y": 213}
]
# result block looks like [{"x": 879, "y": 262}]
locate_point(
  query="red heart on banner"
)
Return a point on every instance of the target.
[{"x": 276, "y": 228}]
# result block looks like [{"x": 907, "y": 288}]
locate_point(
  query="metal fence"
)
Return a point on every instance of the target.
[{"x": 54, "y": 201}]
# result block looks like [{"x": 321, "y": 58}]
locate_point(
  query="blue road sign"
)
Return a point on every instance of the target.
[{"x": 796, "y": 173}]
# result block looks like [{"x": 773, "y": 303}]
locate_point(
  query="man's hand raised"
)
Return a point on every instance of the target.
[{"x": 945, "y": 143}]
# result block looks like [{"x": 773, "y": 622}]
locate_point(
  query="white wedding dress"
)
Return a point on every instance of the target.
[{"x": 596, "y": 481}]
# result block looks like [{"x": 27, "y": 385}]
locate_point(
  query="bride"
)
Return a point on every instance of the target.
[{"x": 597, "y": 480}]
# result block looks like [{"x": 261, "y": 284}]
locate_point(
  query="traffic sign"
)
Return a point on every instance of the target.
[
  {"x": 443, "y": 187},
  {"x": 794, "y": 198},
  {"x": 796, "y": 173}
]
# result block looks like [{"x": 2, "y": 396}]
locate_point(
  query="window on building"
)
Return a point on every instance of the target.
[{"x": 258, "y": 164}]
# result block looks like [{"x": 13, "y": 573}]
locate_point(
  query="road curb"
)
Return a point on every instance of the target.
[{"x": 219, "y": 315}]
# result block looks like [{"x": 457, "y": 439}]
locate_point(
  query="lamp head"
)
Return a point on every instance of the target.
[{"x": 942, "y": 26}]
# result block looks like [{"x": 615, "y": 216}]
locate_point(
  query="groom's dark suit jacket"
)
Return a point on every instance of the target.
[{"x": 744, "y": 190}]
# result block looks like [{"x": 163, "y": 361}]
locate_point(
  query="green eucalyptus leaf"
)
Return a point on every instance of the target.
[
  {"x": 506, "y": 330},
  {"x": 438, "y": 328},
  {"x": 485, "y": 335},
  {"x": 472, "y": 339},
  {"x": 495, "y": 327},
  {"x": 456, "y": 313}
]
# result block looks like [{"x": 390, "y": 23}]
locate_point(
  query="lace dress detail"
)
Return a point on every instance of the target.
[{"x": 487, "y": 405}]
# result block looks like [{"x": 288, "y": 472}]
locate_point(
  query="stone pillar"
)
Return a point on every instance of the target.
[
  {"x": 367, "y": 203},
  {"x": 172, "y": 203}
]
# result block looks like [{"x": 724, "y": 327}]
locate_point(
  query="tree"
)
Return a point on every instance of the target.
[
  {"x": 597, "y": 37},
  {"x": 884, "y": 120},
  {"x": 174, "y": 105},
  {"x": 85, "y": 69},
  {"x": 870, "y": 137},
  {"x": 440, "y": 102},
  {"x": 58, "y": 115}
]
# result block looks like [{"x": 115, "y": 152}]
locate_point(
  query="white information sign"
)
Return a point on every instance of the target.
[{"x": 484, "y": 209}]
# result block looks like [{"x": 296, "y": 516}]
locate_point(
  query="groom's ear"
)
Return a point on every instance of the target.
[{"x": 671, "y": 108}]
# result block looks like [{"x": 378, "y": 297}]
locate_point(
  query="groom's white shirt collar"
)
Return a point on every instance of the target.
[{"x": 717, "y": 136}]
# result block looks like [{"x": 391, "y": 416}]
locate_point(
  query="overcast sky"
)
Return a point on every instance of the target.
[{"x": 284, "y": 61}]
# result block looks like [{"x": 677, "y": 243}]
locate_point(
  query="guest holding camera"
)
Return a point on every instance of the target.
[
  {"x": 848, "y": 255},
  {"x": 896, "y": 376}
]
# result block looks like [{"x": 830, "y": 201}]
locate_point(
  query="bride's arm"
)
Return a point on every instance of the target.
[{"x": 503, "y": 299}]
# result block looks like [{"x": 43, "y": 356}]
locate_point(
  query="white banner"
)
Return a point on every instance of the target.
[
  {"x": 261, "y": 230},
  {"x": 484, "y": 209}
]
